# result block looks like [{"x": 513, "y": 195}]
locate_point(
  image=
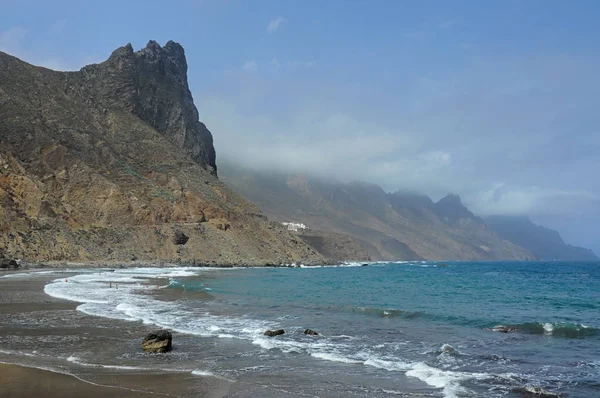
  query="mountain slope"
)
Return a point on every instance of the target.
[
  {"x": 111, "y": 163},
  {"x": 545, "y": 243},
  {"x": 400, "y": 226}
]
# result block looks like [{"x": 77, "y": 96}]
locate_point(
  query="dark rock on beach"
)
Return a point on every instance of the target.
[
  {"x": 157, "y": 341},
  {"x": 311, "y": 332},
  {"x": 272, "y": 333},
  {"x": 9, "y": 264}
]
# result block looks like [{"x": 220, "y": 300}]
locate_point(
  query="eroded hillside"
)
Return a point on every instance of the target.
[{"x": 112, "y": 163}]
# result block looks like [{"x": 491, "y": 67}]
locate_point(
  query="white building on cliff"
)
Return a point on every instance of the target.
[{"x": 294, "y": 226}]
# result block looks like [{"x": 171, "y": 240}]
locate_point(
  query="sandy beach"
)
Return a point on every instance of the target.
[
  {"x": 24, "y": 382},
  {"x": 37, "y": 332}
]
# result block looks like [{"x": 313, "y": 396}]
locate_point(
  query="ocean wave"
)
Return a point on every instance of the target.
[
  {"x": 335, "y": 357},
  {"x": 199, "y": 372},
  {"x": 448, "y": 381},
  {"x": 79, "y": 361},
  {"x": 374, "y": 311},
  {"x": 557, "y": 329},
  {"x": 98, "y": 298}
]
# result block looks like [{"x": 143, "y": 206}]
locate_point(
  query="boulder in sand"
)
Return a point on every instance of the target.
[{"x": 157, "y": 341}]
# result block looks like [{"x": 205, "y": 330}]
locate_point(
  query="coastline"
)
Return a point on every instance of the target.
[{"x": 34, "y": 337}]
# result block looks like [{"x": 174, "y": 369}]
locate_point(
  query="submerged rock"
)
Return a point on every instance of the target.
[
  {"x": 272, "y": 333},
  {"x": 536, "y": 392},
  {"x": 157, "y": 341},
  {"x": 311, "y": 332}
]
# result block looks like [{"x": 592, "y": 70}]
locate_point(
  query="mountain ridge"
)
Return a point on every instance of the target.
[
  {"x": 412, "y": 224},
  {"x": 111, "y": 163},
  {"x": 545, "y": 243}
]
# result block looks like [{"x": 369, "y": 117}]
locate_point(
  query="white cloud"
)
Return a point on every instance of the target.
[
  {"x": 275, "y": 24},
  {"x": 502, "y": 198},
  {"x": 250, "y": 66},
  {"x": 530, "y": 124}
]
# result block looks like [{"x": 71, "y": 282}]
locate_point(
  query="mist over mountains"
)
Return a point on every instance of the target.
[{"x": 399, "y": 225}]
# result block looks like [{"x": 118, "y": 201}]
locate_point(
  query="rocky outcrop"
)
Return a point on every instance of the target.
[
  {"x": 272, "y": 333},
  {"x": 152, "y": 84},
  {"x": 310, "y": 332},
  {"x": 8, "y": 264},
  {"x": 158, "y": 341},
  {"x": 111, "y": 163}
]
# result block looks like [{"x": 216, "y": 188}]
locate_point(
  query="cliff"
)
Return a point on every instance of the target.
[
  {"x": 112, "y": 163},
  {"x": 545, "y": 243}
]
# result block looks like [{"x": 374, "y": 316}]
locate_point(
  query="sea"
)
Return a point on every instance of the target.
[{"x": 385, "y": 329}]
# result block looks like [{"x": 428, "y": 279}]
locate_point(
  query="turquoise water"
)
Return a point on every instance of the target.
[{"x": 388, "y": 329}]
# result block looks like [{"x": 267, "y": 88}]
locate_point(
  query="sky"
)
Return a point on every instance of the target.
[{"x": 498, "y": 102}]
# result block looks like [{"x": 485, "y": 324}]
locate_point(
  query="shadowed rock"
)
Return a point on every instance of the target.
[
  {"x": 311, "y": 332},
  {"x": 9, "y": 264},
  {"x": 536, "y": 392},
  {"x": 180, "y": 238},
  {"x": 272, "y": 333},
  {"x": 157, "y": 341}
]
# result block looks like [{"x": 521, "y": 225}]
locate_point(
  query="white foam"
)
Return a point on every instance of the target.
[
  {"x": 448, "y": 381},
  {"x": 389, "y": 365},
  {"x": 548, "y": 328},
  {"x": 334, "y": 357},
  {"x": 202, "y": 373},
  {"x": 78, "y": 361}
]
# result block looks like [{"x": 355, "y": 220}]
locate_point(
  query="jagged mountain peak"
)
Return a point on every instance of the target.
[{"x": 152, "y": 84}]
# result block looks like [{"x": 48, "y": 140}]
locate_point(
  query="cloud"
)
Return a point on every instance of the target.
[
  {"x": 504, "y": 199},
  {"x": 250, "y": 66},
  {"x": 511, "y": 137},
  {"x": 275, "y": 24}
]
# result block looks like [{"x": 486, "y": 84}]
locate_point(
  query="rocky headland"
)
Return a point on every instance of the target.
[{"x": 112, "y": 164}]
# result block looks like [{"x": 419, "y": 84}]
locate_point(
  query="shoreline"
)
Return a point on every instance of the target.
[
  {"x": 67, "y": 265},
  {"x": 39, "y": 333}
]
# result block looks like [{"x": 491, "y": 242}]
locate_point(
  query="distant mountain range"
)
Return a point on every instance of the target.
[
  {"x": 394, "y": 226},
  {"x": 544, "y": 243}
]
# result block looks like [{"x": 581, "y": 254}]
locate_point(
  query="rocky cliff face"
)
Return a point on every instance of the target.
[
  {"x": 112, "y": 163},
  {"x": 152, "y": 84}
]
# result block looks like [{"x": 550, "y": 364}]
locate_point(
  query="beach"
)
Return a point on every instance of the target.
[
  {"x": 406, "y": 329},
  {"x": 35, "y": 326}
]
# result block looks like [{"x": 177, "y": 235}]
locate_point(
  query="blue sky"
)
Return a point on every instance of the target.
[{"x": 496, "y": 101}]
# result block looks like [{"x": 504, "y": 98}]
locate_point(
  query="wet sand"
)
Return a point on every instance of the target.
[
  {"x": 37, "y": 332},
  {"x": 23, "y": 382}
]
